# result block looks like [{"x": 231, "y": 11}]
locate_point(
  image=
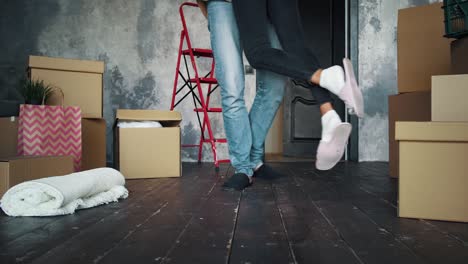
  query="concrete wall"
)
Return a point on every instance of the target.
[
  {"x": 137, "y": 39},
  {"x": 378, "y": 71}
]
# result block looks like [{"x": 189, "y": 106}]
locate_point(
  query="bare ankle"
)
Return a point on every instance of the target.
[
  {"x": 316, "y": 77},
  {"x": 324, "y": 108}
]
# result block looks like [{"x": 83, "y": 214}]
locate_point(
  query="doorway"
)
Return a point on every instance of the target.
[{"x": 297, "y": 128}]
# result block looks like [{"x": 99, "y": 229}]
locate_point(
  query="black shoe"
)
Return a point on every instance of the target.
[
  {"x": 238, "y": 181},
  {"x": 267, "y": 172}
]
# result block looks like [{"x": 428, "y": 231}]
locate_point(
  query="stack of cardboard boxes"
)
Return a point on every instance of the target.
[
  {"x": 430, "y": 154},
  {"x": 82, "y": 85}
]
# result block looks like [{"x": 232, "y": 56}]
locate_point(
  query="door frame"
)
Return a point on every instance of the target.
[{"x": 352, "y": 51}]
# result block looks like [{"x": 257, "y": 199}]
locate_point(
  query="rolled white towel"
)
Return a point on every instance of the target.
[{"x": 61, "y": 195}]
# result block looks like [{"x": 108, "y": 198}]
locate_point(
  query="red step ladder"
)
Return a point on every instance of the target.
[{"x": 194, "y": 86}]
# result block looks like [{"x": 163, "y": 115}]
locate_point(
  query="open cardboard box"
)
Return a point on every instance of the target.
[
  {"x": 26, "y": 168},
  {"x": 433, "y": 181},
  {"x": 148, "y": 152}
]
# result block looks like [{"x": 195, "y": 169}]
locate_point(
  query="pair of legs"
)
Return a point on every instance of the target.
[
  {"x": 294, "y": 60},
  {"x": 245, "y": 132}
]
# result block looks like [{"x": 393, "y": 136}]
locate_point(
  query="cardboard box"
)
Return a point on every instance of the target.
[
  {"x": 8, "y": 136},
  {"x": 20, "y": 169},
  {"x": 405, "y": 107},
  {"x": 433, "y": 180},
  {"x": 81, "y": 82},
  {"x": 148, "y": 152},
  {"x": 93, "y": 143},
  {"x": 459, "y": 54},
  {"x": 450, "y": 98},
  {"x": 422, "y": 49}
]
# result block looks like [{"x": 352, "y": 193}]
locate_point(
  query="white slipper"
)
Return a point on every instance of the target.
[
  {"x": 329, "y": 153},
  {"x": 351, "y": 94}
]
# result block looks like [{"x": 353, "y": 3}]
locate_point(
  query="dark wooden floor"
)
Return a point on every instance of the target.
[{"x": 346, "y": 215}]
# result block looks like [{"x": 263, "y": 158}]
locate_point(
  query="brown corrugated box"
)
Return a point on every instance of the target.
[
  {"x": 20, "y": 169},
  {"x": 414, "y": 106},
  {"x": 459, "y": 52},
  {"x": 148, "y": 152},
  {"x": 81, "y": 82},
  {"x": 8, "y": 136},
  {"x": 433, "y": 170},
  {"x": 450, "y": 98},
  {"x": 93, "y": 143},
  {"x": 422, "y": 49}
]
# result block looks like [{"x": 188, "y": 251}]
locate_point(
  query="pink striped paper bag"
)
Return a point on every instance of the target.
[{"x": 50, "y": 131}]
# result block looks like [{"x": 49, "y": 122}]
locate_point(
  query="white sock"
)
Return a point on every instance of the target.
[
  {"x": 258, "y": 166},
  {"x": 333, "y": 79},
  {"x": 330, "y": 121}
]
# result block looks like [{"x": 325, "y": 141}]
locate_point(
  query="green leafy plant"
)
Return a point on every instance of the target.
[{"x": 35, "y": 91}]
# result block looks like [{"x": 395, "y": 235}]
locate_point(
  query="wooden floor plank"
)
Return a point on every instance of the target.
[
  {"x": 41, "y": 240},
  {"x": 259, "y": 235},
  {"x": 458, "y": 231},
  {"x": 368, "y": 240},
  {"x": 311, "y": 236},
  {"x": 94, "y": 242},
  {"x": 209, "y": 235},
  {"x": 345, "y": 215},
  {"x": 14, "y": 227},
  {"x": 423, "y": 238},
  {"x": 387, "y": 190},
  {"x": 152, "y": 241}
]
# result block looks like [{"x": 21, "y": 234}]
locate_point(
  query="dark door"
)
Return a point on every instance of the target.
[{"x": 324, "y": 27}]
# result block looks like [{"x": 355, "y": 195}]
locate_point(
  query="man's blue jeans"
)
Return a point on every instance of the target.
[{"x": 245, "y": 132}]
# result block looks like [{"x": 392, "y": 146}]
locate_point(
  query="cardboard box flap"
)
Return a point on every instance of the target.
[
  {"x": 8, "y": 159},
  {"x": 431, "y": 131},
  {"x": 168, "y": 118},
  {"x": 40, "y": 62}
]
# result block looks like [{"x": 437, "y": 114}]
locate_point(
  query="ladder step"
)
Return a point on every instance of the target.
[
  {"x": 189, "y": 146},
  {"x": 209, "y": 110},
  {"x": 199, "y": 52},
  {"x": 224, "y": 161},
  {"x": 219, "y": 140},
  {"x": 205, "y": 80}
]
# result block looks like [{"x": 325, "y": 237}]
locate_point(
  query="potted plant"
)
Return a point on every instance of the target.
[{"x": 35, "y": 92}]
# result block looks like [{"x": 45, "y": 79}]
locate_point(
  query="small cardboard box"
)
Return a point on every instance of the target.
[
  {"x": 450, "y": 98},
  {"x": 8, "y": 136},
  {"x": 422, "y": 49},
  {"x": 81, "y": 82},
  {"x": 459, "y": 52},
  {"x": 20, "y": 169},
  {"x": 148, "y": 152},
  {"x": 93, "y": 143},
  {"x": 433, "y": 181},
  {"x": 414, "y": 106}
]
